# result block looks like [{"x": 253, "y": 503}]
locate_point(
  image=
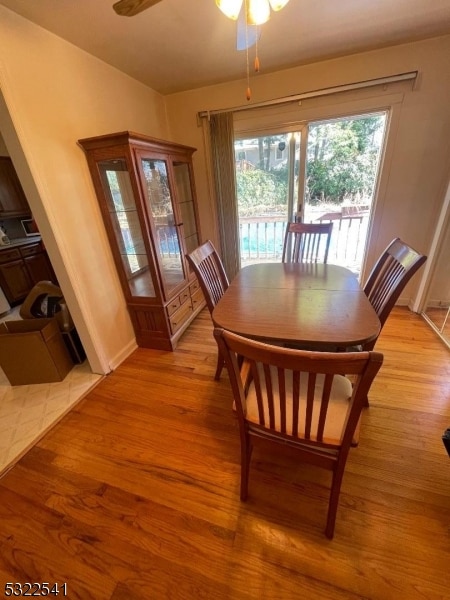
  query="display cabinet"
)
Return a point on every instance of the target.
[{"x": 146, "y": 192}]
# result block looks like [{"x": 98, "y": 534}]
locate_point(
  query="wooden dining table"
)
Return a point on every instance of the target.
[{"x": 305, "y": 303}]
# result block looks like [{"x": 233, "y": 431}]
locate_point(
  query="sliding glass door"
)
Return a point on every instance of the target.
[
  {"x": 325, "y": 171},
  {"x": 342, "y": 160},
  {"x": 267, "y": 191}
]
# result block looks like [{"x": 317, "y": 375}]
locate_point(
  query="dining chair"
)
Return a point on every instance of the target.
[
  {"x": 388, "y": 278},
  {"x": 300, "y": 399},
  {"x": 208, "y": 267},
  {"x": 307, "y": 242}
]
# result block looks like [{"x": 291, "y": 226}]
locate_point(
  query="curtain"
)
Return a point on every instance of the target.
[{"x": 223, "y": 168}]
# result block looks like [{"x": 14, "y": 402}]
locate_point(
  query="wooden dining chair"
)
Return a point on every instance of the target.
[
  {"x": 208, "y": 267},
  {"x": 300, "y": 399},
  {"x": 307, "y": 242},
  {"x": 388, "y": 278}
]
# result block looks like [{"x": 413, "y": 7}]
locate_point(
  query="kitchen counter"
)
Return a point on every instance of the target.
[{"x": 16, "y": 242}]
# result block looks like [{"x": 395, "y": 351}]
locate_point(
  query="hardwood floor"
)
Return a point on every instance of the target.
[{"x": 135, "y": 493}]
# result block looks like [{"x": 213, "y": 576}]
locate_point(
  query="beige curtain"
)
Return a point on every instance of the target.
[{"x": 223, "y": 167}]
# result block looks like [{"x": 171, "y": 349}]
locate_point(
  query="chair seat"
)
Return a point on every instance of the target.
[{"x": 341, "y": 392}]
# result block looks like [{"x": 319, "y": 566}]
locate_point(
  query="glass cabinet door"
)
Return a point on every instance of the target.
[
  {"x": 126, "y": 227},
  {"x": 160, "y": 206},
  {"x": 186, "y": 204}
]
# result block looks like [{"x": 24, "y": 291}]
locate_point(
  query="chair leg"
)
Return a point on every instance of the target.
[
  {"x": 334, "y": 500},
  {"x": 220, "y": 366},
  {"x": 246, "y": 454}
]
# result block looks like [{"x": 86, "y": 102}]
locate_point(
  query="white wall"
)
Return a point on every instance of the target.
[
  {"x": 53, "y": 94},
  {"x": 415, "y": 175}
]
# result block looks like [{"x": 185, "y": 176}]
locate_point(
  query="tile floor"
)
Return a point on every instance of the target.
[{"x": 27, "y": 412}]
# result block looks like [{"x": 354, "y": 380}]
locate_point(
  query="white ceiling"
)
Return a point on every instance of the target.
[{"x": 184, "y": 44}]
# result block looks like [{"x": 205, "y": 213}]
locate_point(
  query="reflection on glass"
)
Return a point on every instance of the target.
[
  {"x": 186, "y": 203},
  {"x": 159, "y": 205},
  {"x": 125, "y": 223}
]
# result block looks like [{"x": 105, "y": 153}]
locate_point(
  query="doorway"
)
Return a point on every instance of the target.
[
  {"x": 324, "y": 171},
  {"x": 29, "y": 411}
]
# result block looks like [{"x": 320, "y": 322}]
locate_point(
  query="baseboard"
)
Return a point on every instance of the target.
[{"x": 125, "y": 352}]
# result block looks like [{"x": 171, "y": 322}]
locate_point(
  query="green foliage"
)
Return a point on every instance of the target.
[
  {"x": 342, "y": 159},
  {"x": 259, "y": 190}
]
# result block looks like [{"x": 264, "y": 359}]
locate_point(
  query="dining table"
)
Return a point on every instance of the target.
[{"x": 314, "y": 304}]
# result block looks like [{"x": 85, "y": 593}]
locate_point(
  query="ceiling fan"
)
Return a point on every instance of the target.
[
  {"x": 129, "y": 8},
  {"x": 247, "y": 35},
  {"x": 249, "y": 14}
]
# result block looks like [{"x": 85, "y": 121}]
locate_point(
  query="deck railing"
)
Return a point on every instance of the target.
[{"x": 261, "y": 238}]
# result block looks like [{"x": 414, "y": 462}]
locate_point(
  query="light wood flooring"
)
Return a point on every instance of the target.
[{"x": 135, "y": 493}]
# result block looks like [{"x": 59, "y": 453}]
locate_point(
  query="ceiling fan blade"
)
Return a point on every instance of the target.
[
  {"x": 246, "y": 36},
  {"x": 129, "y": 8}
]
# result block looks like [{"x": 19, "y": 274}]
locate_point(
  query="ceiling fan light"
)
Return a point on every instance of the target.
[
  {"x": 278, "y": 4},
  {"x": 258, "y": 12},
  {"x": 230, "y": 8}
]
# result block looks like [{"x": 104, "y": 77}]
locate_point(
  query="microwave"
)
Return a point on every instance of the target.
[{"x": 29, "y": 227}]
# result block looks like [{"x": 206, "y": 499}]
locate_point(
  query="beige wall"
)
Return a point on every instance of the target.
[
  {"x": 417, "y": 169},
  {"x": 55, "y": 94}
]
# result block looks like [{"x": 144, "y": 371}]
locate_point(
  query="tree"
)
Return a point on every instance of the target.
[
  {"x": 259, "y": 190},
  {"x": 342, "y": 159}
]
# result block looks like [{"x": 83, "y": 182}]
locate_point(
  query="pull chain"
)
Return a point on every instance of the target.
[
  {"x": 256, "y": 50},
  {"x": 249, "y": 92}
]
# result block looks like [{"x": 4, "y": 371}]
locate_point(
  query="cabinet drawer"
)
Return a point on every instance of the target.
[
  {"x": 197, "y": 299},
  {"x": 176, "y": 302},
  {"x": 184, "y": 296},
  {"x": 31, "y": 250},
  {"x": 173, "y": 305},
  {"x": 194, "y": 286},
  {"x": 180, "y": 316},
  {"x": 7, "y": 255}
]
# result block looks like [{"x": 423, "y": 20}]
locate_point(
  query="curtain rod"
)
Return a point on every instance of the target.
[{"x": 412, "y": 75}]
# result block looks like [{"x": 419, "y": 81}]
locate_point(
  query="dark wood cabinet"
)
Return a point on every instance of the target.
[
  {"x": 21, "y": 268},
  {"x": 13, "y": 202},
  {"x": 37, "y": 263},
  {"x": 146, "y": 193},
  {"x": 14, "y": 278}
]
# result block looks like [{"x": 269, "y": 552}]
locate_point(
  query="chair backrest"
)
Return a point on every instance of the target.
[
  {"x": 389, "y": 276},
  {"x": 208, "y": 267},
  {"x": 297, "y": 396},
  {"x": 307, "y": 242}
]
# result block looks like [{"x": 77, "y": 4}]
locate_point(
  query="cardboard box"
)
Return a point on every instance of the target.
[{"x": 33, "y": 351}]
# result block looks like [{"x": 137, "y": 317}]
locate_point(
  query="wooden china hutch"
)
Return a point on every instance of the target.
[{"x": 146, "y": 192}]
